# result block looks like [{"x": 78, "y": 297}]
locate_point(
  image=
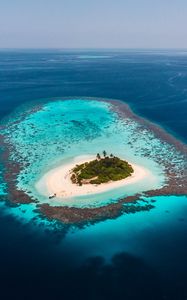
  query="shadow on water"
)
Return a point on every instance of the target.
[{"x": 32, "y": 267}]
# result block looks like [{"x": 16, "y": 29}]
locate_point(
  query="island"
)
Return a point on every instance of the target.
[
  {"x": 89, "y": 175},
  {"x": 101, "y": 170},
  {"x": 60, "y": 174}
]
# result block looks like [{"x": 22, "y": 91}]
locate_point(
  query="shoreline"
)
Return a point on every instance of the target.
[
  {"x": 176, "y": 180},
  {"x": 57, "y": 181}
]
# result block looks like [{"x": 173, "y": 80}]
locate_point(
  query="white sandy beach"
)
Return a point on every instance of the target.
[{"x": 57, "y": 181}]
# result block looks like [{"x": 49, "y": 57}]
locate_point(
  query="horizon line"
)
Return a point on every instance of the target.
[{"x": 92, "y": 48}]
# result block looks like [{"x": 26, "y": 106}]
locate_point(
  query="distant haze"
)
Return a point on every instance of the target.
[{"x": 93, "y": 24}]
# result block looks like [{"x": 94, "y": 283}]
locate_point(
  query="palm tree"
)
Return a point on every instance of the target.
[
  {"x": 104, "y": 153},
  {"x": 98, "y": 156}
]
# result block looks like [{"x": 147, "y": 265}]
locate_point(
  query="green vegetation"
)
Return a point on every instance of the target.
[{"x": 101, "y": 170}]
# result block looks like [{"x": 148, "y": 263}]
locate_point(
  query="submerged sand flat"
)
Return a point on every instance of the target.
[
  {"x": 42, "y": 142},
  {"x": 57, "y": 181}
]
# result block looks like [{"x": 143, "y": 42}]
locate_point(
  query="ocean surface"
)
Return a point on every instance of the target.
[{"x": 136, "y": 256}]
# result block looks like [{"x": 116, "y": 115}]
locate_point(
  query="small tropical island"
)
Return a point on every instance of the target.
[
  {"x": 101, "y": 170},
  {"x": 102, "y": 185},
  {"x": 89, "y": 175}
]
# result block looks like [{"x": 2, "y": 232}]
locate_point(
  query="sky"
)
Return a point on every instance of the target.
[{"x": 93, "y": 23}]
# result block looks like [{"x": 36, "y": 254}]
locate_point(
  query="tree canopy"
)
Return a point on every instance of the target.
[{"x": 101, "y": 170}]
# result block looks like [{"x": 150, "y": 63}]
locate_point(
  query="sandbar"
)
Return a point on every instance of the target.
[{"x": 58, "y": 182}]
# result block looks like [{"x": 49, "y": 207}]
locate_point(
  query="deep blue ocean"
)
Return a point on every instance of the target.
[{"x": 37, "y": 263}]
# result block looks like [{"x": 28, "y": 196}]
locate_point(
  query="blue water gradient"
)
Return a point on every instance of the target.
[
  {"x": 63, "y": 129},
  {"x": 136, "y": 256}
]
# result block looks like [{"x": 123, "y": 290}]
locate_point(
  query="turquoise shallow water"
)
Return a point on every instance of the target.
[
  {"x": 128, "y": 232},
  {"x": 63, "y": 129},
  {"x": 34, "y": 252},
  {"x": 135, "y": 234}
]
